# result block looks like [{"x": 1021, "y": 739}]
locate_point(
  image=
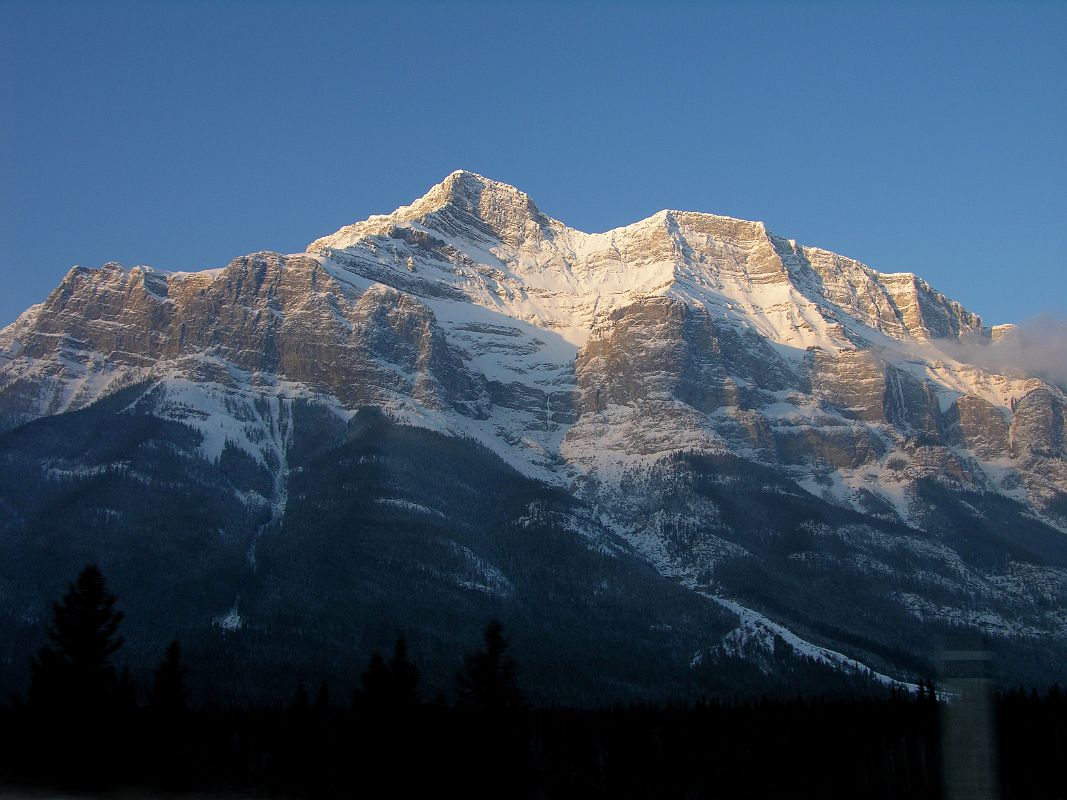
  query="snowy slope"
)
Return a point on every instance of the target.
[{"x": 585, "y": 360}]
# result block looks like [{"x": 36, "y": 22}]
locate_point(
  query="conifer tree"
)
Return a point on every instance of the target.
[
  {"x": 73, "y": 672},
  {"x": 322, "y": 698},
  {"x": 391, "y": 685},
  {"x": 404, "y": 676},
  {"x": 375, "y": 680},
  {"x": 168, "y": 691},
  {"x": 125, "y": 692},
  {"x": 488, "y": 680},
  {"x": 300, "y": 700}
]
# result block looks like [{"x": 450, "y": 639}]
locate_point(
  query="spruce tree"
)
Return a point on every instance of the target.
[
  {"x": 391, "y": 685},
  {"x": 376, "y": 683},
  {"x": 300, "y": 702},
  {"x": 404, "y": 677},
  {"x": 168, "y": 691},
  {"x": 488, "y": 680},
  {"x": 73, "y": 672},
  {"x": 322, "y": 699}
]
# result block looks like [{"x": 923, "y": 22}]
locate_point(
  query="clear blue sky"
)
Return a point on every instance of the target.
[{"x": 914, "y": 137}]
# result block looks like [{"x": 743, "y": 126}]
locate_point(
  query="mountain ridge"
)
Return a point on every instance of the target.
[
  {"x": 819, "y": 302},
  {"x": 625, "y": 368},
  {"x": 444, "y": 194}
]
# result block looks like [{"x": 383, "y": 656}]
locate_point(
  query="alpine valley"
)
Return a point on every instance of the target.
[{"x": 682, "y": 457}]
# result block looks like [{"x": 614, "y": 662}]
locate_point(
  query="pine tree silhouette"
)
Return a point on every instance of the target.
[
  {"x": 405, "y": 677},
  {"x": 488, "y": 680},
  {"x": 391, "y": 685},
  {"x": 170, "y": 728},
  {"x": 322, "y": 698},
  {"x": 79, "y": 703},
  {"x": 73, "y": 672},
  {"x": 168, "y": 691},
  {"x": 300, "y": 702},
  {"x": 376, "y": 681}
]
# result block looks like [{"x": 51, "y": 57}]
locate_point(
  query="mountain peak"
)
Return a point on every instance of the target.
[
  {"x": 464, "y": 199},
  {"x": 465, "y": 178},
  {"x": 471, "y": 191}
]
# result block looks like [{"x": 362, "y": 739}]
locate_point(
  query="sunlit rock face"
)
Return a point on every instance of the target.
[
  {"x": 593, "y": 362},
  {"x": 979, "y": 426},
  {"x": 264, "y": 317},
  {"x": 471, "y": 303},
  {"x": 662, "y": 347},
  {"x": 1038, "y": 426},
  {"x": 853, "y": 382}
]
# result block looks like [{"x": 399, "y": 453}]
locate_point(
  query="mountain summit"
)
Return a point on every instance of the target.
[
  {"x": 463, "y": 201},
  {"x": 791, "y": 437}
]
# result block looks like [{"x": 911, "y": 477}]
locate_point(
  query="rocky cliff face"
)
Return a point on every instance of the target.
[{"x": 590, "y": 362}]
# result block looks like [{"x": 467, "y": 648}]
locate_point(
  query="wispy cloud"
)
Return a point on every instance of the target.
[{"x": 1036, "y": 347}]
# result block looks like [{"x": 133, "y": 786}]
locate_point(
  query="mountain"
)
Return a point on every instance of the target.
[{"x": 687, "y": 443}]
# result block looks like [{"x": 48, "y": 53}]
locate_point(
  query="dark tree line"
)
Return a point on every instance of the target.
[
  {"x": 73, "y": 674},
  {"x": 83, "y": 727}
]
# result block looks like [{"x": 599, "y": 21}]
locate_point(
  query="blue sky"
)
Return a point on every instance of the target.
[{"x": 912, "y": 136}]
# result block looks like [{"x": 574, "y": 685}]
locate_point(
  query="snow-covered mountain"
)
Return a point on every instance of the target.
[{"x": 644, "y": 372}]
